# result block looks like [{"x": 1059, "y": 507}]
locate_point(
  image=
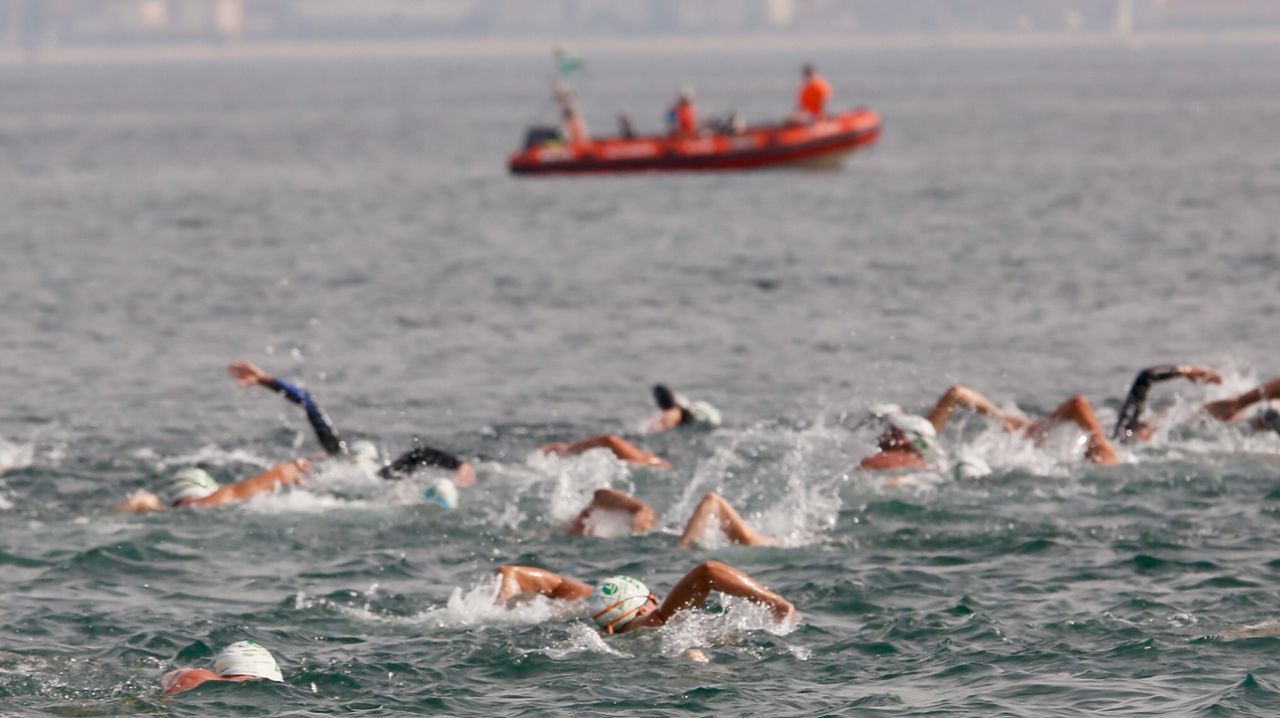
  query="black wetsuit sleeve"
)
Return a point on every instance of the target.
[
  {"x": 326, "y": 433},
  {"x": 417, "y": 458},
  {"x": 1131, "y": 412}
]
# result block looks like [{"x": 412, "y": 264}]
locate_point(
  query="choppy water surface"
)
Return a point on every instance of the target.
[{"x": 1033, "y": 224}]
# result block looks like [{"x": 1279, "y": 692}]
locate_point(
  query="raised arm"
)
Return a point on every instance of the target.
[
  {"x": 1129, "y": 423},
  {"x": 426, "y": 456},
  {"x": 326, "y": 433},
  {"x": 642, "y": 516},
  {"x": 620, "y": 447},
  {"x": 728, "y": 520},
  {"x": 290, "y": 472},
  {"x": 962, "y": 397},
  {"x": 1229, "y": 409},
  {"x": 520, "y": 580},
  {"x": 692, "y": 590}
]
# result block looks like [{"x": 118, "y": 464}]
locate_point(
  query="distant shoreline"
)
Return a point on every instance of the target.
[{"x": 496, "y": 47}]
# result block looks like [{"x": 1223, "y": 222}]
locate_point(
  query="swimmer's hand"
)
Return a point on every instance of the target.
[
  {"x": 1200, "y": 374},
  {"x": 246, "y": 374},
  {"x": 1223, "y": 409},
  {"x": 302, "y": 467}
]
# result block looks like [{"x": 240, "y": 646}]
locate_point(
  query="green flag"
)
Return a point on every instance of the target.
[{"x": 567, "y": 64}]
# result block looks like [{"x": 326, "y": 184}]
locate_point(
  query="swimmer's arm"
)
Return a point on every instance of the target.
[
  {"x": 517, "y": 580},
  {"x": 247, "y": 374},
  {"x": 692, "y": 591},
  {"x": 642, "y": 516},
  {"x": 1131, "y": 412},
  {"x": 184, "y": 679},
  {"x": 962, "y": 397},
  {"x": 1227, "y": 409},
  {"x": 420, "y": 456},
  {"x": 289, "y": 472}
]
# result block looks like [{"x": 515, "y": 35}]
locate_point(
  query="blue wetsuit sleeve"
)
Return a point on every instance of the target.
[
  {"x": 326, "y": 433},
  {"x": 1130, "y": 414},
  {"x": 417, "y": 457}
]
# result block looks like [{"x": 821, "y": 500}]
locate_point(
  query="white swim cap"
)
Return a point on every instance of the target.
[
  {"x": 191, "y": 483},
  {"x": 970, "y": 466},
  {"x": 704, "y": 413},
  {"x": 443, "y": 492},
  {"x": 246, "y": 658},
  {"x": 919, "y": 429},
  {"x": 616, "y": 601}
]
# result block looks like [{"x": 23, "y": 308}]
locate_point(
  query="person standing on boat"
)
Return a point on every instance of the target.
[
  {"x": 682, "y": 118},
  {"x": 811, "y": 101},
  {"x": 573, "y": 127}
]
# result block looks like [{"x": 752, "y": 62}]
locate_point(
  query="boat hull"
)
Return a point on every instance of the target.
[{"x": 822, "y": 144}]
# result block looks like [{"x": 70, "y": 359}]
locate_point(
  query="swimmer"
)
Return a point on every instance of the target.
[
  {"x": 620, "y": 447},
  {"x": 1129, "y": 425},
  {"x": 901, "y": 448},
  {"x": 240, "y": 661},
  {"x": 361, "y": 452},
  {"x": 679, "y": 411},
  {"x": 620, "y": 604},
  {"x": 712, "y": 507},
  {"x": 195, "y": 487}
]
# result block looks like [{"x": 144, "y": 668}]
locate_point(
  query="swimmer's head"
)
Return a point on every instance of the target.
[
  {"x": 664, "y": 396},
  {"x": 246, "y": 658},
  {"x": 905, "y": 432},
  {"x": 1271, "y": 420},
  {"x": 617, "y": 601},
  {"x": 189, "y": 484},
  {"x": 444, "y": 493},
  {"x": 686, "y": 94}
]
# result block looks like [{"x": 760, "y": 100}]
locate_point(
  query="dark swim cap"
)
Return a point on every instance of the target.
[
  {"x": 1271, "y": 420},
  {"x": 664, "y": 396}
]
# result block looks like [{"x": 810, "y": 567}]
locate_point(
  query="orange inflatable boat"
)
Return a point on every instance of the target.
[{"x": 823, "y": 143}]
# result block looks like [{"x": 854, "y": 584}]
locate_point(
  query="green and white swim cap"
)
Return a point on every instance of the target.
[
  {"x": 444, "y": 493},
  {"x": 919, "y": 429},
  {"x": 246, "y": 658},
  {"x": 191, "y": 483},
  {"x": 704, "y": 412},
  {"x": 616, "y": 601}
]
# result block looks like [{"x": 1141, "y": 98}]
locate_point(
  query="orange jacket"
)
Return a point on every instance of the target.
[
  {"x": 686, "y": 116},
  {"x": 813, "y": 96}
]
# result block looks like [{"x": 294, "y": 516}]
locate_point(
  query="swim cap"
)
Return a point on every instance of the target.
[
  {"x": 246, "y": 658},
  {"x": 1271, "y": 419},
  {"x": 970, "y": 466},
  {"x": 919, "y": 429},
  {"x": 443, "y": 492},
  {"x": 191, "y": 483},
  {"x": 704, "y": 413},
  {"x": 616, "y": 601}
]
